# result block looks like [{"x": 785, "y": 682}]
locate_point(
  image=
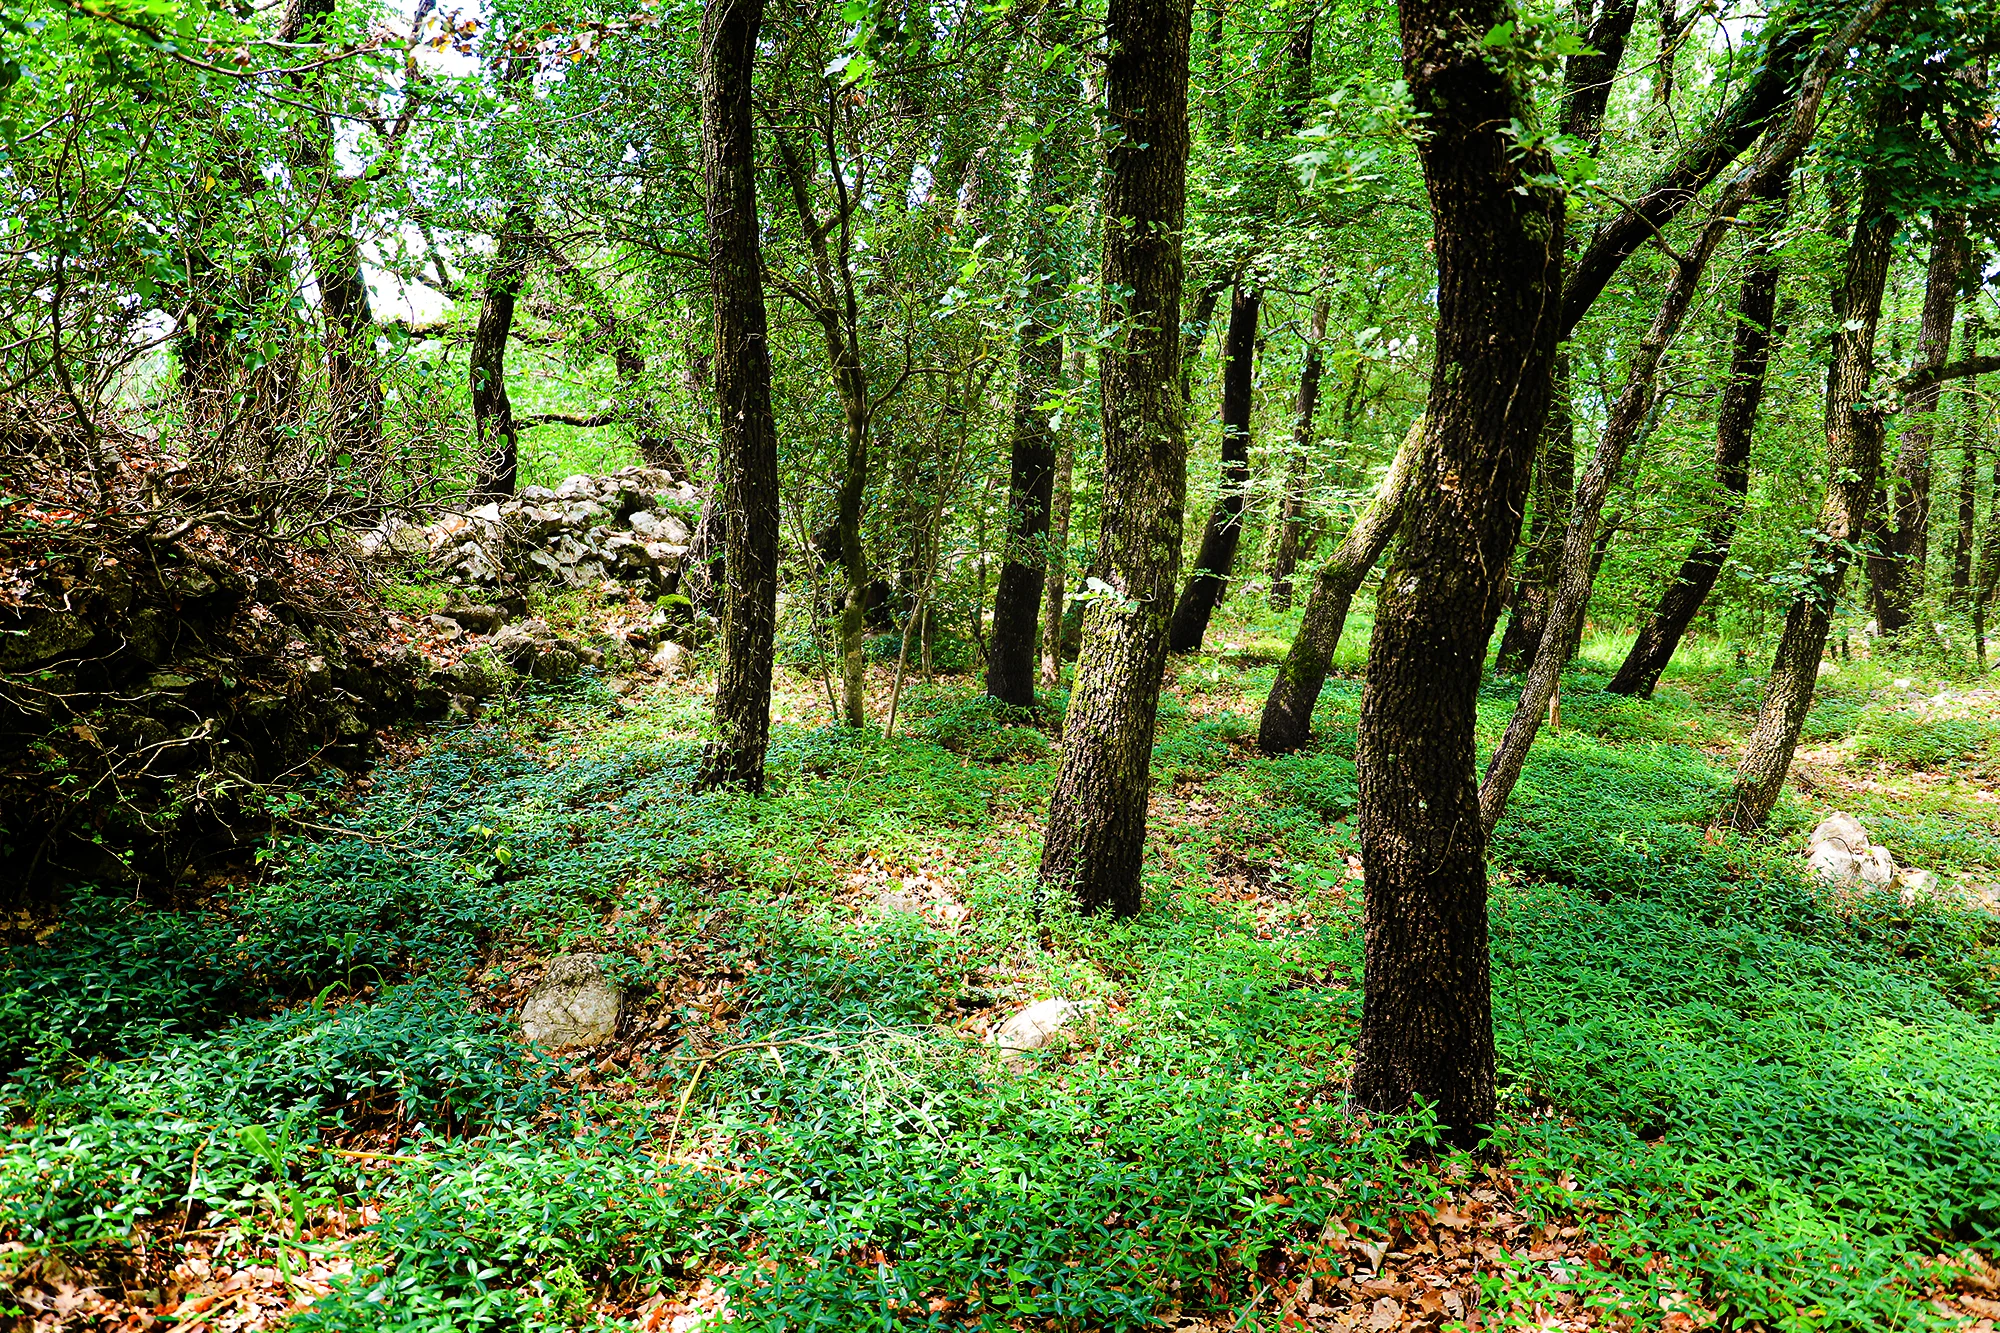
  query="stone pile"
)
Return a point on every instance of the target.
[
  {"x": 1841, "y": 853},
  {"x": 589, "y": 530}
]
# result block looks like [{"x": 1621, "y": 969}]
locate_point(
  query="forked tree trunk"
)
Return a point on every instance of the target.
[
  {"x": 1010, "y": 662},
  {"x": 748, "y": 455},
  {"x": 1292, "y": 510},
  {"x": 1224, "y": 532},
  {"x": 1968, "y": 469},
  {"x": 1287, "y": 720},
  {"x": 1735, "y": 428},
  {"x": 492, "y": 409},
  {"x": 1427, "y": 1017},
  {"x": 1899, "y": 575},
  {"x": 1853, "y": 465},
  {"x": 1097, "y": 817}
]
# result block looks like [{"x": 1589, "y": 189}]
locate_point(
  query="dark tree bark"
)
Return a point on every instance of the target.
[
  {"x": 1427, "y": 1019},
  {"x": 492, "y": 409},
  {"x": 747, "y": 462},
  {"x": 1194, "y": 332},
  {"x": 1631, "y": 411},
  {"x": 1853, "y": 464},
  {"x": 1292, "y": 509},
  {"x": 1897, "y": 575},
  {"x": 1287, "y": 720},
  {"x": 1672, "y": 26},
  {"x": 1554, "y": 489},
  {"x": 1968, "y": 469},
  {"x": 1010, "y": 661},
  {"x": 1216, "y": 560},
  {"x": 1059, "y": 510},
  {"x": 1097, "y": 817},
  {"x": 1735, "y": 428}
]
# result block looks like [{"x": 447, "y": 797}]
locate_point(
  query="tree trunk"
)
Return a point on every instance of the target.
[
  {"x": 1059, "y": 507},
  {"x": 1097, "y": 816},
  {"x": 1627, "y": 418},
  {"x": 1292, "y": 510},
  {"x": 1219, "y": 540},
  {"x": 1427, "y": 1019},
  {"x": 1968, "y": 469},
  {"x": 1735, "y": 428},
  {"x": 1287, "y": 721},
  {"x": 1853, "y": 464},
  {"x": 747, "y": 461},
  {"x": 492, "y": 409},
  {"x": 1555, "y": 488},
  {"x": 1899, "y": 577},
  {"x": 1195, "y": 332},
  {"x": 1010, "y": 663}
]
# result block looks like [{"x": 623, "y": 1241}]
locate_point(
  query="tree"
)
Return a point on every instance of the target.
[
  {"x": 1427, "y": 1025},
  {"x": 1291, "y": 510},
  {"x": 1010, "y": 660},
  {"x": 1097, "y": 814},
  {"x": 748, "y": 459},
  {"x": 1224, "y": 532}
]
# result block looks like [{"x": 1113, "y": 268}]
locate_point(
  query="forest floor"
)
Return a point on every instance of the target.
[{"x": 1729, "y": 1095}]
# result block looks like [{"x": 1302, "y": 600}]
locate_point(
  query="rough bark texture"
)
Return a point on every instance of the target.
[
  {"x": 1735, "y": 427},
  {"x": 1854, "y": 463},
  {"x": 1897, "y": 575},
  {"x": 1287, "y": 720},
  {"x": 1427, "y": 1021},
  {"x": 492, "y": 409},
  {"x": 747, "y": 461},
  {"x": 1292, "y": 509},
  {"x": 1097, "y": 817},
  {"x": 1010, "y": 661},
  {"x": 1075, "y": 368},
  {"x": 1216, "y": 560}
]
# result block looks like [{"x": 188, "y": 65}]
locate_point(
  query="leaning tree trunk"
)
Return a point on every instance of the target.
[
  {"x": 1628, "y": 414},
  {"x": 748, "y": 456},
  {"x": 1853, "y": 465},
  {"x": 1968, "y": 469},
  {"x": 1287, "y": 721},
  {"x": 1292, "y": 510},
  {"x": 1427, "y": 1017},
  {"x": 1010, "y": 660},
  {"x": 1899, "y": 577},
  {"x": 492, "y": 409},
  {"x": 1097, "y": 816},
  {"x": 1735, "y": 427},
  {"x": 1554, "y": 489},
  {"x": 1219, "y": 540}
]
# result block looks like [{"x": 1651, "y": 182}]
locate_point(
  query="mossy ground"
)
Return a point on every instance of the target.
[{"x": 1728, "y": 1093}]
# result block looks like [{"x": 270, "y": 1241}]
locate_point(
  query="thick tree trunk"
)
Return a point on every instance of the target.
[
  {"x": 1216, "y": 560},
  {"x": 1010, "y": 662},
  {"x": 1735, "y": 428},
  {"x": 1292, "y": 510},
  {"x": 1287, "y": 721},
  {"x": 1427, "y": 1019},
  {"x": 1554, "y": 489},
  {"x": 1968, "y": 470},
  {"x": 492, "y": 409},
  {"x": 1097, "y": 817},
  {"x": 1898, "y": 577},
  {"x": 747, "y": 463},
  {"x": 1853, "y": 464}
]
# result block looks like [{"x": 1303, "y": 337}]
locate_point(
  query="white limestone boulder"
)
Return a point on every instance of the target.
[{"x": 575, "y": 1004}]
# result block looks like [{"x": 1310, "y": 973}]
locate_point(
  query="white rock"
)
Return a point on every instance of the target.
[
  {"x": 1904, "y": 683},
  {"x": 1031, "y": 1029},
  {"x": 574, "y": 1004},
  {"x": 577, "y": 487},
  {"x": 1844, "y": 829},
  {"x": 1912, "y": 884},
  {"x": 1828, "y": 668},
  {"x": 1876, "y": 867},
  {"x": 670, "y": 657},
  {"x": 1833, "y": 863}
]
